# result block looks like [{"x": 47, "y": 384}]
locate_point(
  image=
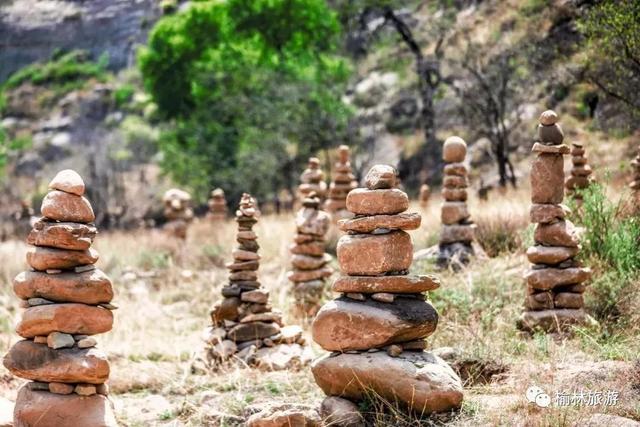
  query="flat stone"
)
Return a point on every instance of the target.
[
  {"x": 377, "y": 202},
  {"x": 307, "y": 262},
  {"x": 241, "y": 255},
  {"x": 399, "y": 284},
  {"x": 247, "y": 235},
  {"x": 458, "y": 169},
  {"x": 553, "y": 320},
  {"x": 550, "y": 254},
  {"x": 68, "y": 181},
  {"x": 454, "y": 212},
  {"x": 283, "y": 357},
  {"x": 343, "y": 324},
  {"x": 457, "y": 233},
  {"x": 420, "y": 381},
  {"x": 41, "y": 408},
  {"x": 368, "y": 224},
  {"x": 568, "y": 300},
  {"x": 247, "y": 275},
  {"x": 312, "y": 248},
  {"x": 61, "y": 388},
  {"x": 548, "y": 118},
  {"x": 576, "y": 182},
  {"x": 259, "y": 295},
  {"x": 62, "y": 235},
  {"x": 312, "y": 221},
  {"x": 87, "y": 342},
  {"x": 69, "y": 318},
  {"x": 304, "y": 238},
  {"x": 549, "y": 278},
  {"x": 61, "y": 206},
  {"x": 40, "y": 339},
  {"x": 584, "y": 170},
  {"x": 551, "y": 134},
  {"x": 57, "y": 340},
  {"x": 253, "y": 331},
  {"x": 38, "y": 362},
  {"x": 41, "y": 258},
  {"x": 355, "y": 296},
  {"x": 551, "y": 149},
  {"x": 546, "y": 213},
  {"x": 380, "y": 177},
  {"x": 454, "y": 150},
  {"x": 243, "y": 265},
  {"x": 454, "y": 194},
  {"x": 271, "y": 316},
  {"x": 560, "y": 233},
  {"x": 32, "y": 302},
  {"x": 454, "y": 181},
  {"x": 309, "y": 275},
  {"x": 369, "y": 255},
  {"x": 383, "y": 297},
  {"x": 539, "y": 301},
  {"x": 285, "y": 415},
  {"x": 336, "y": 411},
  {"x": 85, "y": 389},
  {"x": 547, "y": 179}
]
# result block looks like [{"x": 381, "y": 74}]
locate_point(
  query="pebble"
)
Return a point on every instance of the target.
[
  {"x": 355, "y": 296},
  {"x": 85, "y": 389},
  {"x": 87, "y": 342},
  {"x": 61, "y": 388},
  {"x": 57, "y": 340}
]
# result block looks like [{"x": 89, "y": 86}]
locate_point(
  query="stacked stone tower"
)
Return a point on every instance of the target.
[
  {"x": 308, "y": 257},
  {"x": 580, "y": 171},
  {"x": 635, "y": 184},
  {"x": 425, "y": 194},
  {"x": 243, "y": 323},
  {"x": 67, "y": 301},
  {"x": 458, "y": 230},
  {"x": 312, "y": 180},
  {"x": 177, "y": 211},
  {"x": 343, "y": 182},
  {"x": 376, "y": 330},
  {"x": 217, "y": 205},
  {"x": 556, "y": 280}
]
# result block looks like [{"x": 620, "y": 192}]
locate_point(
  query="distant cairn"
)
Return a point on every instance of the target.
[
  {"x": 342, "y": 182},
  {"x": 580, "y": 172},
  {"x": 217, "y": 205},
  {"x": 177, "y": 211}
]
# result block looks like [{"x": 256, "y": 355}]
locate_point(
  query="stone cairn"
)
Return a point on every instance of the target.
[
  {"x": 580, "y": 172},
  {"x": 217, "y": 205},
  {"x": 177, "y": 211},
  {"x": 376, "y": 330},
  {"x": 458, "y": 230},
  {"x": 243, "y": 322},
  {"x": 635, "y": 184},
  {"x": 312, "y": 180},
  {"x": 309, "y": 259},
  {"x": 555, "y": 281},
  {"x": 66, "y": 301},
  {"x": 343, "y": 182},
  {"x": 425, "y": 194}
]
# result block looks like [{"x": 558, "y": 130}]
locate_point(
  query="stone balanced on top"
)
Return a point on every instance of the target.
[
  {"x": 580, "y": 171},
  {"x": 217, "y": 205},
  {"x": 376, "y": 329},
  {"x": 177, "y": 211},
  {"x": 309, "y": 259},
  {"x": 343, "y": 182},
  {"x": 67, "y": 300},
  {"x": 555, "y": 281},
  {"x": 458, "y": 230},
  {"x": 312, "y": 180},
  {"x": 243, "y": 322}
]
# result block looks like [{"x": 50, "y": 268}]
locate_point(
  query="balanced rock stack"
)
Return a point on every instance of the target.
[
  {"x": 425, "y": 194},
  {"x": 243, "y": 323},
  {"x": 555, "y": 281},
  {"x": 67, "y": 300},
  {"x": 580, "y": 171},
  {"x": 458, "y": 230},
  {"x": 177, "y": 211},
  {"x": 217, "y": 205},
  {"x": 309, "y": 259},
  {"x": 343, "y": 182},
  {"x": 312, "y": 180},
  {"x": 376, "y": 329},
  {"x": 635, "y": 165}
]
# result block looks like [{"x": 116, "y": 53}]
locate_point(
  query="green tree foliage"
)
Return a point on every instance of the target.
[
  {"x": 612, "y": 29},
  {"x": 249, "y": 89}
]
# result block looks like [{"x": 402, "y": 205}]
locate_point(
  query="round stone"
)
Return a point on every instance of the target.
[
  {"x": 68, "y": 181},
  {"x": 454, "y": 150},
  {"x": 61, "y": 206},
  {"x": 548, "y": 118}
]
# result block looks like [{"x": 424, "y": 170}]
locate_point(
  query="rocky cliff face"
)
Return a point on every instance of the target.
[{"x": 31, "y": 30}]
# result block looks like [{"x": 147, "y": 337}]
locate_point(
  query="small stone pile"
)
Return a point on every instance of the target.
[
  {"x": 376, "y": 330},
  {"x": 66, "y": 301},
  {"x": 425, "y": 194},
  {"x": 243, "y": 322},
  {"x": 555, "y": 281},
  {"x": 312, "y": 180},
  {"x": 580, "y": 171},
  {"x": 635, "y": 165},
  {"x": 308, "y": 257},
  {"x": 458, "y": 230},
  {"x": 217, "y": 205},
  {"x": 177, "y": 211},
  {"x": 343, "y": 182}
]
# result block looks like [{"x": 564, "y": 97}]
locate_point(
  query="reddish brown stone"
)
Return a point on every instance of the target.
[
  {"x": 551, "y": 134},
  {"x": 370, "y": 255},
  {"x": 227, "y": 309},
  {"x": 539, "y": 301},
  {"x": 89, "y": 287},
  {"x": 453, "y": 212},
  {"x": 67, "y": 318},
  {"x": 547, "y": 179},
  {"x": 457, "y": 233},
  {"x": 312, "y": 248},
  {"x": 377, "y": 202},
  {"x": 545, "y": 213},
  {"x": 380, "y": 177},
  {"x": 454, "y": 150},
  {"x": 367, "y": 224},
  {"x": 61, "y": 206},
  {"x": 454, "y": 194},
  {"x": 62, "y": 235},
  {"x": 569, "y": 300},
  {"x": 455, "y": 169},
  {"x": 561, "y": 233},
  {"x": 549, "y": 278},
  {"x": 408, "y": 284},
  {"x": 68, "y": 181},
  {"x": 454, "y": 181},
  {"x": 309, "y": 275},
  {"x": 41, "y": 258},
  {"x": 252, "y": 331},
  {"x": 306, "y": 262},
  {"x": 37, "y": 362},
  {"x": 550, "y": 254},
  {"x": 551, "y": 149},
  {"x": 553, "y": 320}
]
